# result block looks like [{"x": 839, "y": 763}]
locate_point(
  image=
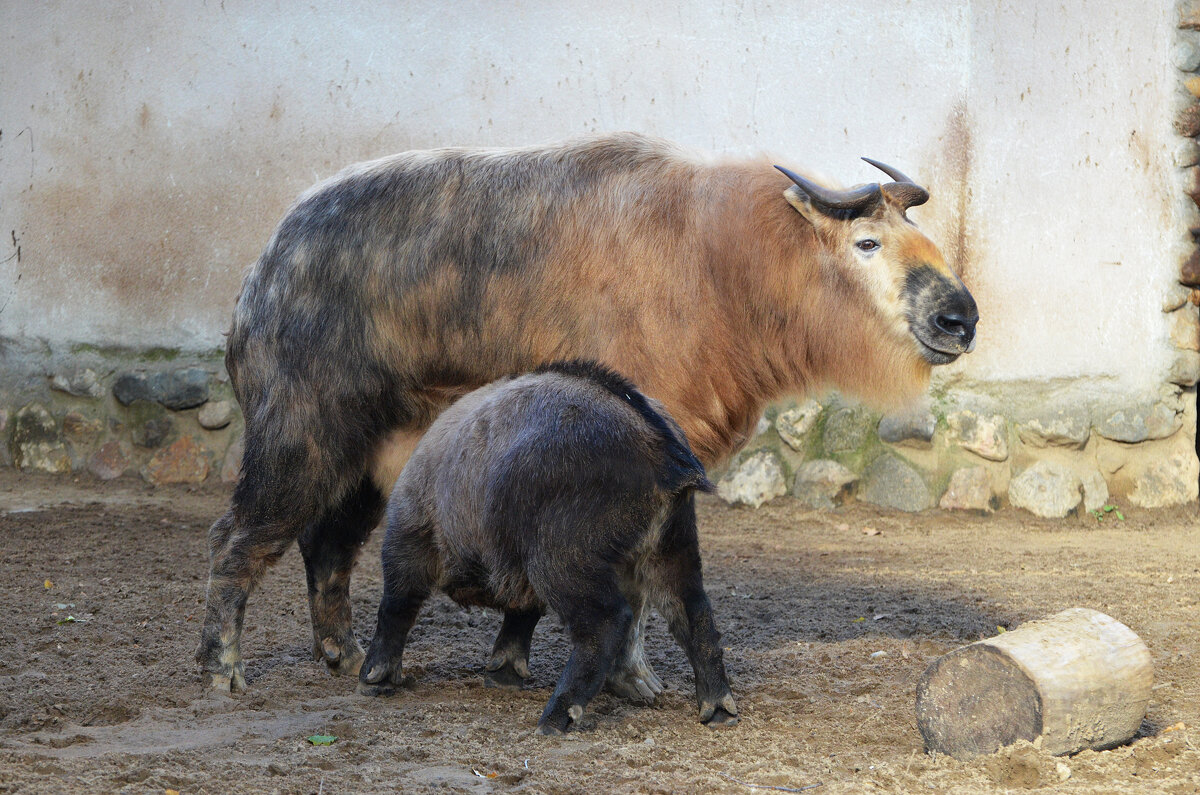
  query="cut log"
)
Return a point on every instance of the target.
[{"x": 1078, "y": 679}]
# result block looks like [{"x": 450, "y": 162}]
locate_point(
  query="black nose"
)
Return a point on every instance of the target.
[{"x": 960, "y": 327}]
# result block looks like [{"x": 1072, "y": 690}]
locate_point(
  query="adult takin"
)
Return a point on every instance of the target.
[
  {"x": 401, "y": 284},
  {"x": 565, "y": 488}
]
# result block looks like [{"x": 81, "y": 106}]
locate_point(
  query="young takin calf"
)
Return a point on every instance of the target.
[{"x": 565, "y": 488}]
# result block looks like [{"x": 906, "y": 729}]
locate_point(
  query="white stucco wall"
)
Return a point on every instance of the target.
[{"x": 147, "y": 150}]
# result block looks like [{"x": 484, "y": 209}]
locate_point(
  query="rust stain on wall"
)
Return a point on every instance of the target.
[{"x": 958, "y": 152}]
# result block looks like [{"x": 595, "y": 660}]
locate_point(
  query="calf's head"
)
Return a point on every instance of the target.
[{"x": 871, "y": 247}]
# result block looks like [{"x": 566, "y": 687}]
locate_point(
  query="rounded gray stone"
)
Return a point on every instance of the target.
[
  {"x": 1061, "y": 428},
  {"x": 1177, "y": 296},
  {"x": 1095, "y": 491},
  {"x": 36, "y": 442},
  {"x": 970, "y": 489},
  {"x": 1139, "y": 423},
  {"x": 985, "y": 436},
  {"x": 893, "y": 483},
  {"x": 181, "y": 389},
  {"x": 1046, "y": 489},
  {"x": 130, "y": 387},
  {"x": 1171, "y": 480},
  {"x": 823, "y": 484},
  {"x": 80, "y": 383},
  {"x": 215, "y": 415},
  {"x": 755, "y": 481},
  {"x": 795, "y": 424},
  {"x": 1186, "y": 56},
  {"x": 914, "y": 427},
  {"x": 149, "y": 424},
  {"x": 1185, "y": 368}
]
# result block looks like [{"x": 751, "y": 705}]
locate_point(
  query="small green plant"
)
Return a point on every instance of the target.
[{"x": 1102, "y": 511}]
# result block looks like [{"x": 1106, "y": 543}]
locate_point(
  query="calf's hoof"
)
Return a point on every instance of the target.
[
  {"x": 232, "y": 682},
  {"x": 635, "y": 680},
  {"x": 382, "y": 678},
  {"x": 557, "y": 723},
  {"x": 627, "y": 684},
  {"x": 223, "y": 677},
  {"x": 505, "y": 676}
]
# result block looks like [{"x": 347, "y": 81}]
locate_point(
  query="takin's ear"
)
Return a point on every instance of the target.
[{"x": 801, "y": 202}]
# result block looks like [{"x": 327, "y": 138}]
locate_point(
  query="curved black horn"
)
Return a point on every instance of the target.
[
  {"x": 894, "y": 173},
  {"x": 853, "y": 199},
  {"x": 904, "y": 191}
]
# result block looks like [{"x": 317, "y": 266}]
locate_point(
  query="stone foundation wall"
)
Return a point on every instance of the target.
[
  {"x": 1053, "y": 449},
  {"x": 154, "y": 414}
]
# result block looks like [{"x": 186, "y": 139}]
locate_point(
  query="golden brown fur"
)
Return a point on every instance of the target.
[{"x": 399, "y": 285}]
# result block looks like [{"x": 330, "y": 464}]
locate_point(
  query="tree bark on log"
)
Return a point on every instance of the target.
[{"x": 1078, "y": 679}]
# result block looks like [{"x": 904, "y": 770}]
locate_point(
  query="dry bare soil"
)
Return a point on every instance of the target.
[{"x": 829, "y": 620}]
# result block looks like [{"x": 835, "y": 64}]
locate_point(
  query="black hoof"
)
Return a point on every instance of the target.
[
  {"x": 547, "y": 730},
  {"x": 382, "y": 689},
  {"x": 505, "y": 677},
  {"x": 386, "y": 687},
  {"x": 721, "y": 719}
]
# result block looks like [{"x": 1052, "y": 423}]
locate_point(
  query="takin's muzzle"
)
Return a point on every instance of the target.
[{"x": 941, "y": 314}]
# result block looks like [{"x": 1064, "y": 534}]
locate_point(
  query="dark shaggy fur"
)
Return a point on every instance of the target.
[{"x": 565, "y": 489}]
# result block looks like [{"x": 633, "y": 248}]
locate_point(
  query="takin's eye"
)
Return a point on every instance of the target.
[{"x": 867, "y": 245}]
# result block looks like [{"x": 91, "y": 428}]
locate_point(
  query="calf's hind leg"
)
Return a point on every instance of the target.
[
  {"x": 689, "y": 615},
  {"x": 509, "y": 663},
  {"x": 330, "y": 547},
  {"x": 598, "y": 621}
]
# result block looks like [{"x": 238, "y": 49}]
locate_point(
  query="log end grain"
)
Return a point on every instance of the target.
[{"x": 975, "y": 701}]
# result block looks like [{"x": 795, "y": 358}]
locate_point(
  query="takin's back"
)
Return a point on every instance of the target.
[{"x": 416, "y": 278}]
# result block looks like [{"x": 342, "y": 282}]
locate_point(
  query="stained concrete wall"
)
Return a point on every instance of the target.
[{"x": 147, "y": 149}]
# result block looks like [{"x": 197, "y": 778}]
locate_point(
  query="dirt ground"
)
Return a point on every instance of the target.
[{"x": 829, "y": 620}]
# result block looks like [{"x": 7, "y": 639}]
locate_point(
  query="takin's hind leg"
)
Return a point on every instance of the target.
[
  {"x": 330, "y": 547},
  {"x": 509, "y": 663},
  {"x": 239, "y": 553}
]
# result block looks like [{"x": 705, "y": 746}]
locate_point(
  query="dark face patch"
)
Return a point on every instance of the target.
[{"x": 941, "y": 314}]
